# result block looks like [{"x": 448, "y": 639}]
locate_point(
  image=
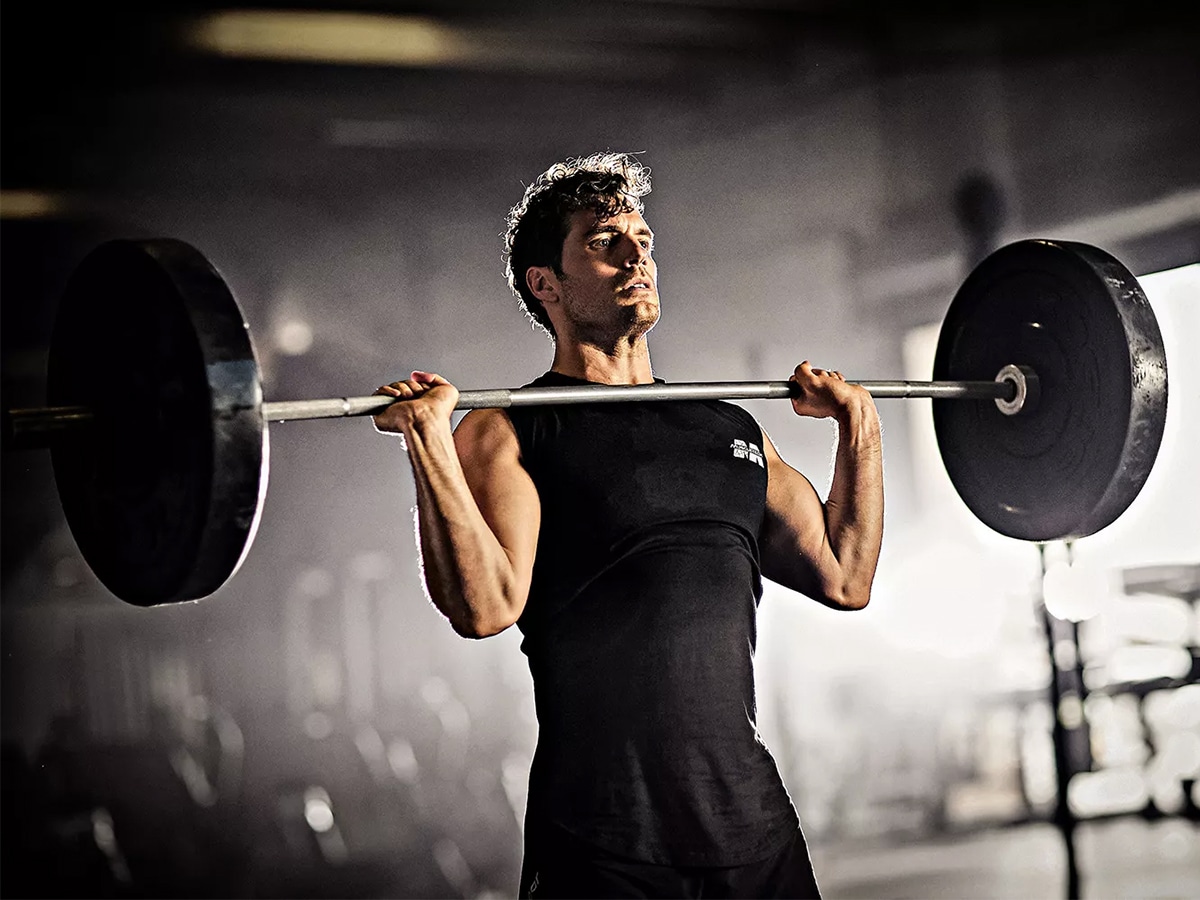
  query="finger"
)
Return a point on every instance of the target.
[
  {"x": 388, "y": 391},
  {"x": 429, "y": 379},
  {"x": 404, "y": 389}
]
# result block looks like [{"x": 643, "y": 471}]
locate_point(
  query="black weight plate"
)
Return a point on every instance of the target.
[
  {"x": 1071, "y": 465},
  {"x": 163, "y": 493}
]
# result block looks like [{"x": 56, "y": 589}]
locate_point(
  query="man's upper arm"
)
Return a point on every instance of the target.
[
  {"x": 794, "y": 545},
  {"x": 490, "y": 455}
]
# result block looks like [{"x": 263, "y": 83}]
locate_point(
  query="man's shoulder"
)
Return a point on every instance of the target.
[
  {"x": 486, "y": 430},
  {"x": 735, "y": 414}
]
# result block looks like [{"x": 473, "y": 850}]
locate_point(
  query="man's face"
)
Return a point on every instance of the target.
[{"x": 609, "y": 279}]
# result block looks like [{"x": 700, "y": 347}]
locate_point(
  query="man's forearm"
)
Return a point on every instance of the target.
[
  {"x": 467, "y": 573},
  {"x": 854, "y": 507}
]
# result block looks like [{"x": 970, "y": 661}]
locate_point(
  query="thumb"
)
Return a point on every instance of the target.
[{"x": 428, "y": 378}]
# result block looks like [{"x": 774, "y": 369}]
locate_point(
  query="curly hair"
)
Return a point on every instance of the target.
[{"x": 607, "y": 183}]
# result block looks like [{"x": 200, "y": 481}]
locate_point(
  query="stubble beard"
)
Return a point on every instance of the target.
[{"x": 625, "y": 324}]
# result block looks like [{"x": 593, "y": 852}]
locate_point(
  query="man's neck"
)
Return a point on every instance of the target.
[{"x": 627, "y": 363}]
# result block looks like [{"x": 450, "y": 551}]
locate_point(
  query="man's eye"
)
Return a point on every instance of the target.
[{"x": 601, "y": 242}]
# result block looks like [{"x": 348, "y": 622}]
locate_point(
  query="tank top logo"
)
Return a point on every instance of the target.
[{"x": 746, "y": 450}]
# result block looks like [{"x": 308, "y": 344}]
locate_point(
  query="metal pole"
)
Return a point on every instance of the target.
[
  {"x": 37, "y": 427},
  {"x": 281, "y": 411},
  {"x": 1064, "y": 818}
]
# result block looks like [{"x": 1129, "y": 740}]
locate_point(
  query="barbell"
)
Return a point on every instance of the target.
[{"x": 157, "y": 427}]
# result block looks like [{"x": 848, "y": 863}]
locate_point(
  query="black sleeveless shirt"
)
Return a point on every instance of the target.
[{"x": 640, "y": 630}]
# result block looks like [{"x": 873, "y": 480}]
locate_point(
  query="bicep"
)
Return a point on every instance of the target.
[
  {"x": 507, "y": 499},
  {"x": 794, "y": 545}
]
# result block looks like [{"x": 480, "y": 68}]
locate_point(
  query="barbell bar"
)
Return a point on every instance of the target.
[
  {"x": 158, "y": 435},
  {"x": 39, "y": 426},
  {"x": 504, "y": 398}
]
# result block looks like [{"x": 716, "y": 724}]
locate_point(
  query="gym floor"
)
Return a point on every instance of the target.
[{"x": 1117, "y": 858}]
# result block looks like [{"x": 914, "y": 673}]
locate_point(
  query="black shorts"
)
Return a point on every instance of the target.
[{"x": 559, "y": 865}]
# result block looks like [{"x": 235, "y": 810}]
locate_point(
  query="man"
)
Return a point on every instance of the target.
[{"x": 627, "y": 542}]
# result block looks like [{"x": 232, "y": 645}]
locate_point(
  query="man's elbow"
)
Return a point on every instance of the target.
[
  {"x": 849, "y": 597},
  {"x": 478, "y": 629},
  {"x": 857, "y": 600},
  {"x": 485, "y": 624},
  {"x": 474, "y": 614}
]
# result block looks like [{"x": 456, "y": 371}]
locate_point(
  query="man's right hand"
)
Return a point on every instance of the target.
[
  {"x": 426, "y": 395},
  {"x": 478, "y": 511}
]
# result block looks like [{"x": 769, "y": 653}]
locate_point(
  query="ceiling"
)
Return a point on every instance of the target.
[{"x": 88, "y": 79}]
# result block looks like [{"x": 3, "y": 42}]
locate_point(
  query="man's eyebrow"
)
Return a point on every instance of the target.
[{"x": 608, "y": 228}]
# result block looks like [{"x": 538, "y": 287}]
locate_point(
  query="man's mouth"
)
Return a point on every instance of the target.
[{"x": 634, "y": 286}]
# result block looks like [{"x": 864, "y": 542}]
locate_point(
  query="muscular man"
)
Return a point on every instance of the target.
[{"x": 628, "y": 542}]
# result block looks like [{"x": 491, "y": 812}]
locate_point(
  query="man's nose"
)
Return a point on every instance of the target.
[{"x": 636, "y": 255}]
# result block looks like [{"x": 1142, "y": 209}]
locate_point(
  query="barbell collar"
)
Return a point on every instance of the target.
[{"x": 1026, "y": 389}]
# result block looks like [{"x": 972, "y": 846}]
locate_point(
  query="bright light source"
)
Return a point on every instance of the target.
[
  {"x": 1151, "y": 619},
  {"x": 1148, "y": 662},
  {"x": 293, "y": 337},
  {"x": 1075, "y": 593},
  {"x": 1108, "y": 792},
  {"x": 318, "y": 725},
  {"x": 30, "y": 204},
  {"x": 1178, "y": 756},
  {"x": 317, "y": 811},
  {"x": 403, "y": 761},
  {"x": 1175, "y": 708},
  {"x": 330, "y": 37}
]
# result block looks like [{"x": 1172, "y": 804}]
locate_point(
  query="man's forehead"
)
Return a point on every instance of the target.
[{"x": 588, "y": 221}]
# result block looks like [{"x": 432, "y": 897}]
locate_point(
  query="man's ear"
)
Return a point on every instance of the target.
[{"x": 543, "y": 284}]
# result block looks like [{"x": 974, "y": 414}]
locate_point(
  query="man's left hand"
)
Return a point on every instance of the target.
[{"x": 823, "y": 393}]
